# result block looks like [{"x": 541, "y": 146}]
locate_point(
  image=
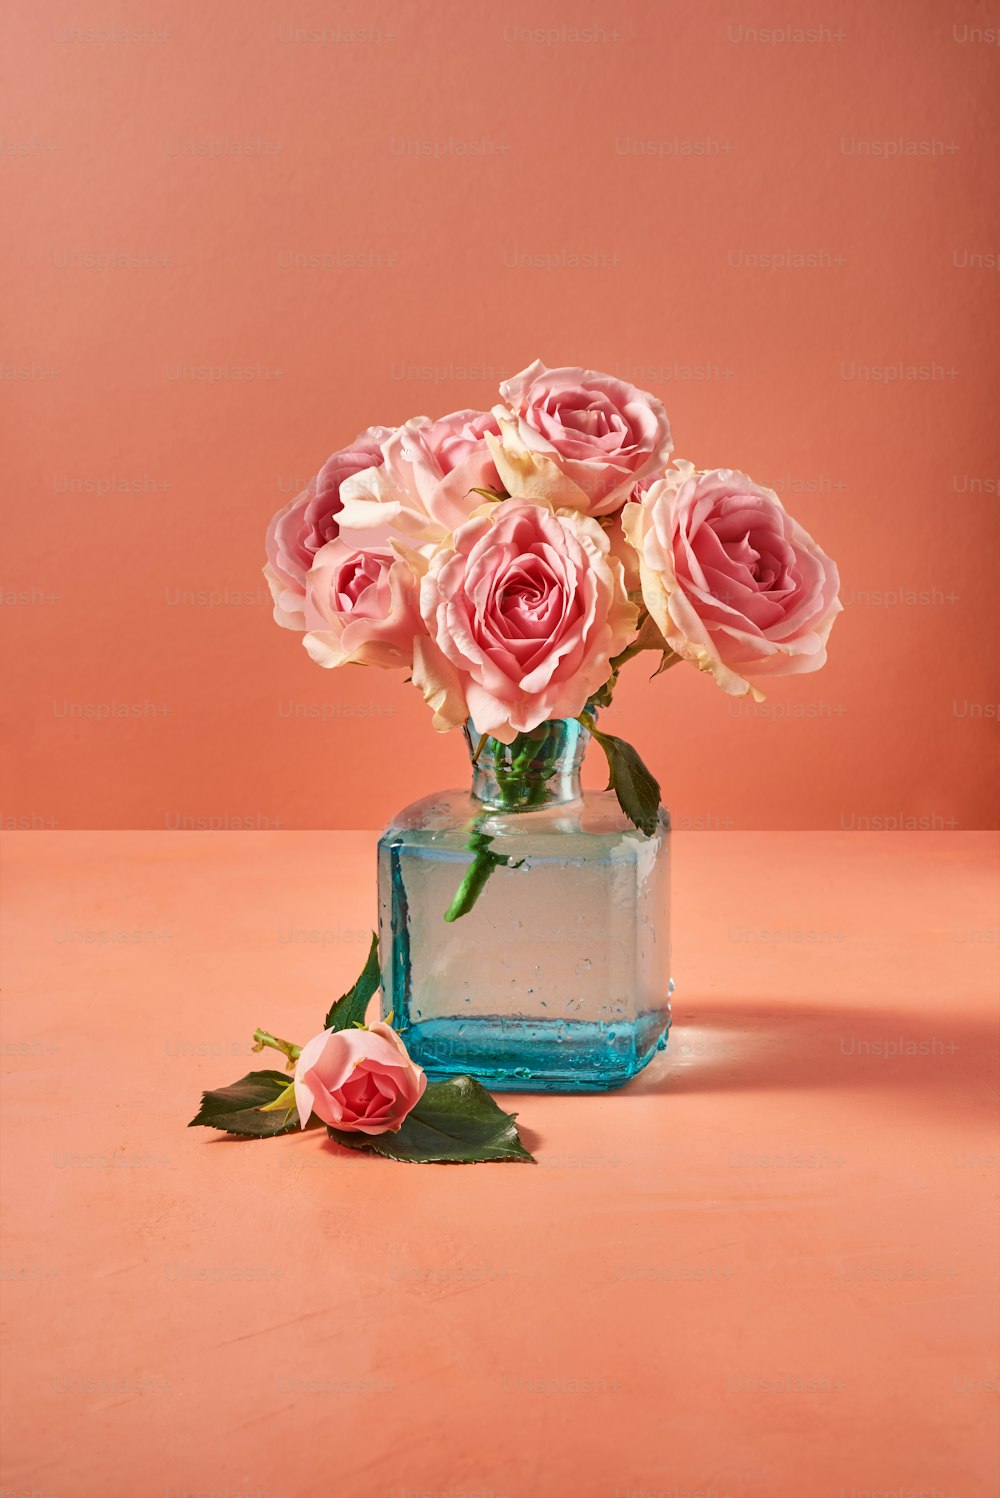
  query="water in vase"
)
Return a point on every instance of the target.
[{"x": 552, "y": 969}]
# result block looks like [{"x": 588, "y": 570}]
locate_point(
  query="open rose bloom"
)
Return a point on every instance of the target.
[
  {"x": 734, "y": 584},
  {"x": 525, "y": 608},
  {"x": 509, "y": 559},
  {"x": 361, "y": 1081}
]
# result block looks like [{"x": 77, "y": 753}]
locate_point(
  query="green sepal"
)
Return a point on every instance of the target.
[
  {"x": 602, "y": 697},
  {"x": 282, "y": 1102},
  {"x": 237, "y": 1109}
]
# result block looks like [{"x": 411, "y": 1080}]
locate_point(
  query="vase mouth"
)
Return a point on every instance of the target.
[{"x": 537, "y": 769}]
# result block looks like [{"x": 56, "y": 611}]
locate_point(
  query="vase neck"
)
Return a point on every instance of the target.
[{"x": 540, "y": 768}]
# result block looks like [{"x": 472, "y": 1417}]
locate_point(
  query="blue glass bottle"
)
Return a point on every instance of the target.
[{"x": 524, "y": 927}]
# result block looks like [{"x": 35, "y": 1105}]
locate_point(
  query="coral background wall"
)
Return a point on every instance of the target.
[{"x": 237, "y": 234}]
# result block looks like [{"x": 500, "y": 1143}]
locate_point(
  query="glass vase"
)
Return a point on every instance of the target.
[{"x": 524, "y": 924}]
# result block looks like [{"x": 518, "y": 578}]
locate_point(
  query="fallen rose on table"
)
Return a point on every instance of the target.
[{"x": 360, "y": 1081}]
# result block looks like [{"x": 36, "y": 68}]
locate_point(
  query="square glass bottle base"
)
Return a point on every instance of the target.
[
  {"x": 557, "y": 977},
  {"x": 524, "y": 1055}
]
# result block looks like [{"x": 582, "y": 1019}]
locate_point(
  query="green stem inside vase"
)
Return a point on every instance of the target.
[{"x": 539, "y": 768}]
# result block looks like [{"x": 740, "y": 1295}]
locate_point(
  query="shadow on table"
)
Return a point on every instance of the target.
[{"x": 725, "y": 1046}]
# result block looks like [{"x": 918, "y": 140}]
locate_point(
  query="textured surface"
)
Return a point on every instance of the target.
[
  {"x": 777, "y": 217},
  {"x": 765, "y": 1269}
]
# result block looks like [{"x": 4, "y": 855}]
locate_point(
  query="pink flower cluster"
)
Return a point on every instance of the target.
[{"x": 506, "y": 557}]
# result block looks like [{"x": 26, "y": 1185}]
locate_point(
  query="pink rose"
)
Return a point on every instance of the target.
[
  {"x": 445, "y": 461},
  {"x": 525, "y": 606},
  {"x": 427, "y": 486},
  {"x": 599, "y": 435},
  {"x": 360, "y": 607},
  {"x": 733, "y": 582},
  {"x": 362, "y": 1081},
  {"x": 298, "y": 531}
]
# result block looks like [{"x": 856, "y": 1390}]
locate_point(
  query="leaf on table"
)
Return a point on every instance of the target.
[
  {"x": 237, "y": 1109},
  {"x": 350, "y": 1009},
  {"x": 456, "y": 1121}
]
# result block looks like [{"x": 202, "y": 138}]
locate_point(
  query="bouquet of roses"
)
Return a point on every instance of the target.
[{"x": 513, "y": 560}]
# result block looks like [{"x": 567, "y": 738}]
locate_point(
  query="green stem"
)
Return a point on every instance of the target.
[
  {"x": 519, "y": 789},
  {"x": 476, "y": 875},
  {"x": 293, "y": 1052}
]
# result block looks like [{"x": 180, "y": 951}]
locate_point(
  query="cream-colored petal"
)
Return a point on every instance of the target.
[{"x": 439, "y": 684}]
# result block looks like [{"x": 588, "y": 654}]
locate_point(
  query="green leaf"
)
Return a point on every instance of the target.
[
  {"x": 454, "y": 1121},
  {"x": 491, "y": 493},
  {"x": 237, "y": 1108},
  {"x": 636, "y": 787},
  {"x": 350, "y": 1009}
]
